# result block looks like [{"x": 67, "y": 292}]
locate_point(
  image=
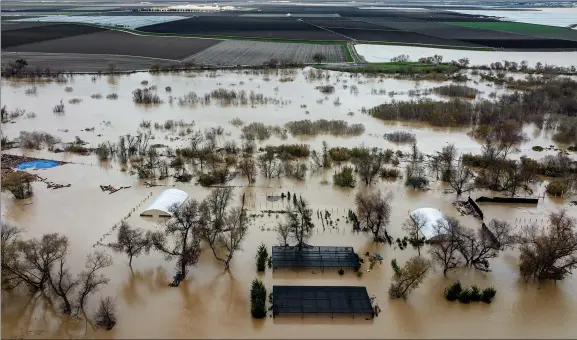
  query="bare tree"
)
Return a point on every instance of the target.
[
  {"x": 283, "y": 233},
  {"x": 269, "y": 165},
  {"x": 503, "y": 233},
  {"x": 299, "y": 221},
  {"x": 90, "y": 279},
  {"x": 549, "y": 253},
  {"x": 131, "y": 242},
  {"x": 38, "y": 257},
  {"x": 63, "y": 284},
  {"x": 476, "y": 248},
  {"x": 409, "y": 277},
  {"x": 460, "y": 179},
  {"x": 223, "y": 230},
  {"x": 445, "y": 250},
  {"x": 413, "y": 226},
  {"x": 11, "y": 276},
  {"x": 247, "y": 168},
  {"x": 183, "y": 228},
  {"x": 369, "y": 163},
  {"x": 105, "y": 315},
  {"x": 374, "y": 212}
]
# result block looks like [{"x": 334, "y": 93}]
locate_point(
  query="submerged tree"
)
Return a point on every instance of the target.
[
  {"x": 183, "y": 229},
  {"x": 369, "y": 163},
  {"x": 223, "y": 230},
  {"x": 283, "y": 233},
  {"x": 409, "y": 277},
  {"x": 413, "y": 226},
  {"x": 374, "y": 212},
  {"x": 299, "y": 221},
  {"x": 90, "y": 279},
  {"x": 131, "y": 242},
  {"x": 549, "y": 253},
  {"x": 460, "y": 179},
  {"x": 445, "y": 250},
  {"x": 18, "y": 183},
  {"x": 247, "y": 168},
  {"x": 105, "y": 316}
]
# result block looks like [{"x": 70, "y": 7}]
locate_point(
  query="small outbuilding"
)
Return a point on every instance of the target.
[
  {"x": 164, "y": 203},
  {"x": 430, "y": 218}
]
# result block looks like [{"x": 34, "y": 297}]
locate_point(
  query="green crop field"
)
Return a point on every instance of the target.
[{"x": 523, "y": 28}]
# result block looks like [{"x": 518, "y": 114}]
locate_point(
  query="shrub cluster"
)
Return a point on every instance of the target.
[
  {"x": 469, "y": 294},
  {"x": 400, "y": 137},
  {"x": 289, "y": 151},
  {"x": 323, "y": 126},
  {"x": 217, "y": 176},
  {"x": 345, "y": 177},
  {"x": 456, "y": 91}
]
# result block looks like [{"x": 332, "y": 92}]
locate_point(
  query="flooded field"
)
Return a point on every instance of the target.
[{"x": 214, "y": 303}]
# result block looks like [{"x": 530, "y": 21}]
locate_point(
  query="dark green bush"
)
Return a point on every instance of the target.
[
  {"x": 475, "y": 293},
  {"x": 217, "y": 176},
  {"x": 488, "y": 294},
  {"x": 345, "y": 177},
  {"x": 341, "y": 272},
  {"x": 465, "y": 296},
  {"x": 261, "y": 258},
  {"x": 258, "y": 299},
  {"x": 453, "y": 291}
]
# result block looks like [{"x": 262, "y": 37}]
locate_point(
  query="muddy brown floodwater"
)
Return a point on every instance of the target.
[{"x": 213, "y": 303}]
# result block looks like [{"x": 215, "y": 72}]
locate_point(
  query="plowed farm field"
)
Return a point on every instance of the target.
[{"x": 235, "y": 52}]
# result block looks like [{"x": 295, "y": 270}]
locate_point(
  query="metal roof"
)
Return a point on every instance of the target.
[
  {"x": 321, "y": 300},
  {"x": 321, "y": 257}
]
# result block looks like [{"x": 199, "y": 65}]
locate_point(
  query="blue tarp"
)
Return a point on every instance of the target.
[{"x": 37, "y": 164}]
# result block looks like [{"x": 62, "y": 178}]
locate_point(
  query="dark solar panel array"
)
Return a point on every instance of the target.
[
  {"x": 319, "y": 257},
  {"x": 321, "y": 300}
]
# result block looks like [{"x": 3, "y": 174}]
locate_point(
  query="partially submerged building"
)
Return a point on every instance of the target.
[
  {"x": 426, "y": 219},
  {"x": 165, "y": 203}
]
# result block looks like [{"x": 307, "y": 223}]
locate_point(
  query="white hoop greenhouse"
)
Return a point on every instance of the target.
[{"x": 164, "y": 204}]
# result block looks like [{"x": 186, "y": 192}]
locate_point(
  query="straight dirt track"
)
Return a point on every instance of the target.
[{"x": 121, "y": 43}]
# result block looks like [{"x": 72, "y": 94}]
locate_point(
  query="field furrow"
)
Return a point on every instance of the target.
[{"x": 235, "y": 52}]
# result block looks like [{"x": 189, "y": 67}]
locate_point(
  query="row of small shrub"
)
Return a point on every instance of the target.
[{"x": 467, "y": 295}]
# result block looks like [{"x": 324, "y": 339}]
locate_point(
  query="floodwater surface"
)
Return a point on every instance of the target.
[{"x": 214, "y": 303}]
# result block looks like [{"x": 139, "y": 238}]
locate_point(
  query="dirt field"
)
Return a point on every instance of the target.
[
  {"x": 120, "y": 43},
  {"x": 83, "y": 62},
  {"x": 233, "y": 52},
  {"x": 41, "y": 33},
  {"x": 280, "y": 28}
]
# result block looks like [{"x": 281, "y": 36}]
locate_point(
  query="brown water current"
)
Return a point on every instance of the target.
[{"x": 213, "y": 303}]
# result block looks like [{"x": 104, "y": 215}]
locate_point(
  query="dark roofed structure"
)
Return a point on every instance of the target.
[
  {"x": 314, "y": 257},
  {"x": 321, "y": 300}
]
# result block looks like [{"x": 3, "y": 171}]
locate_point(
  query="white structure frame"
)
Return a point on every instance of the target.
[{"x": 164, "y": 203}]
